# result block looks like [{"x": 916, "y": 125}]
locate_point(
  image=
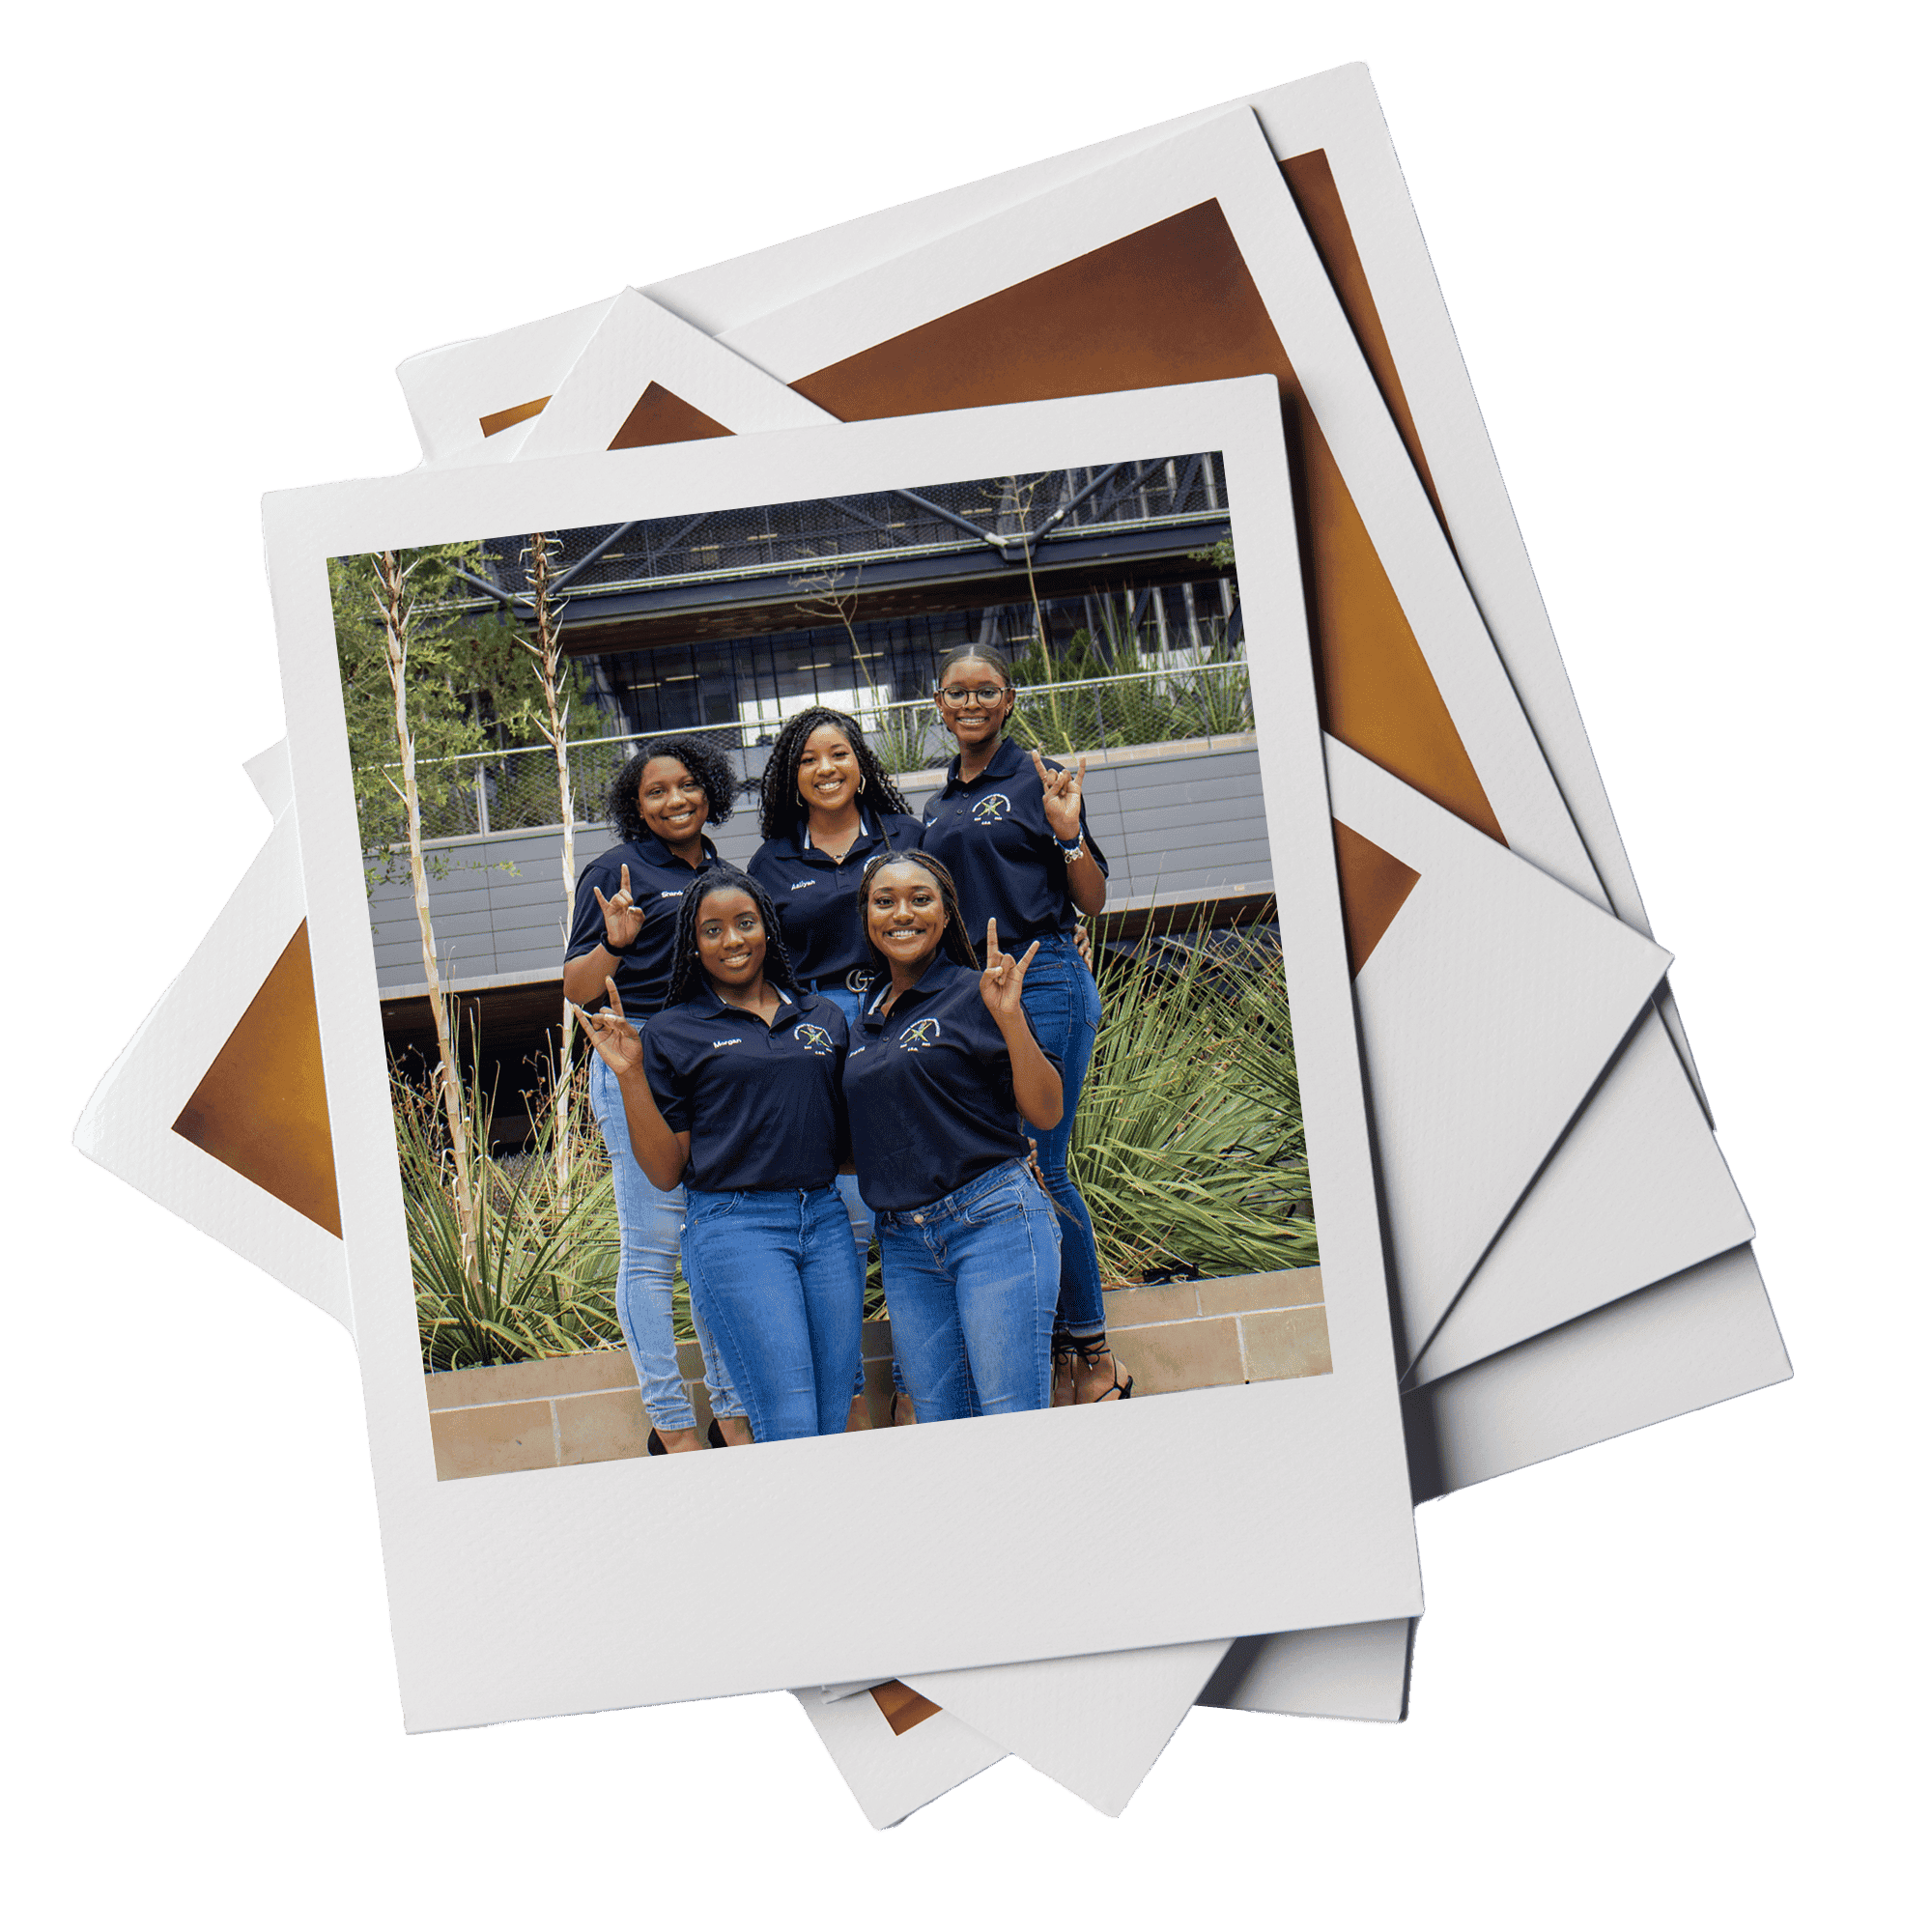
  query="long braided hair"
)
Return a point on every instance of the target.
[
  {"x": 781, "y": 810},
  {"x": 708, "y": 765},
  {"x": 954, "y": 941},
  {"x": 687, "y": 971}
]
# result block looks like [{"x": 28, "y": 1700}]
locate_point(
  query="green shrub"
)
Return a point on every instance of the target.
[{"x": 1188, "y": 1146}]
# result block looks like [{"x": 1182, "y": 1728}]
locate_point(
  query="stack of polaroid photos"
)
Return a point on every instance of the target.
[{"x": 956, "y": 853}]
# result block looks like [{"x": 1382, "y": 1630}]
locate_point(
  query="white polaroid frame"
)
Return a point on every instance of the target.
[{"x": 496, "y": 1565}]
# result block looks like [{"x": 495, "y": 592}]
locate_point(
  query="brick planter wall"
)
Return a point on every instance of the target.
[{"x": 586, "y": 1408}]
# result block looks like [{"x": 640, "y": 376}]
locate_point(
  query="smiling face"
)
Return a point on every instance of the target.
[
  {"x": 905, "y": 913},
  {"x": 964, "y": 709},
  {"x": 828, "y": 770},
  {"x": 672, "y": 801},
  {"x": 730, "y": 937}
]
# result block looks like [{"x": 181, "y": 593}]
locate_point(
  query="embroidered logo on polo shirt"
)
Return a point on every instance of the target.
[
  {"x": 921, "y": 1033},
  {"x": 992, "y": 808},
  {"x": 814, "y": 1038},
  {"x": 739, "y": 1040}
]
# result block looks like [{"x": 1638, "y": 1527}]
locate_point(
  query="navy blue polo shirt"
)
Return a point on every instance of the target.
[
  {"x": 992, "y": 835},
  {"x": 761, "y": 1104},
  {"x": 929, "y": 1092},
  {"x": 817, "y": 895},
  {"x": 658, "y": 879}
]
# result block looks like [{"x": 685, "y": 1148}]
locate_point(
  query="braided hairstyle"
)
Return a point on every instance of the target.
[
  {"x": 781, "y": 810},
  {"x": 687, "y": 971},
  {"x": 708, "y": 765},
  {"x": 954, "y": 941}
]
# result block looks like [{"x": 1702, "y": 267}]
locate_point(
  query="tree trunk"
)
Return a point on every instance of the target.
[
  {"x": 391, "y": 577},
  {"x": 548, "y": 651}
]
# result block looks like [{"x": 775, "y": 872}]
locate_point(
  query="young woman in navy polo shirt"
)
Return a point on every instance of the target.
[
  {"x": 626, "y": 917},
  {"x": 1010, "y": 827},
  {"x": 734, "y": 1090},
  {"x": 827, "y": 807},
  {"x": 943, "y": 1070}
]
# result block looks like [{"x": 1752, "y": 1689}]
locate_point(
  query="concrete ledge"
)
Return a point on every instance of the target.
[{"x": 586, "y": 1408}]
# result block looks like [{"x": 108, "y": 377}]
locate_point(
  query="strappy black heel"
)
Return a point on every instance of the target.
[{"x": 1089, "y": 1350}]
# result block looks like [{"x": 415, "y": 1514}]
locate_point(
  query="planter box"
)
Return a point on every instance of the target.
[{"x": 586, "y": 1408}]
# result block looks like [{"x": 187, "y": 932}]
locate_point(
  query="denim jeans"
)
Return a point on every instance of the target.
[
  {"x": 1064, "y": 1003},
  {"x": 861, "y": 1217},
  {"x": 857, "y": 1212},
  {"x": 973, "y": 1281},
  {"x": 648, "y": 1221},
  {"x": 774, "y": 1272}
]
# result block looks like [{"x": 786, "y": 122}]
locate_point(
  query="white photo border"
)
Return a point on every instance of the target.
[{"x": 1260, "y": 1508}]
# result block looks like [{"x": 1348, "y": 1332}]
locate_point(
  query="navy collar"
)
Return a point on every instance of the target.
[
  {"x": 659, "y": 853},
  {"x": 1006, "y": 759},
  {"x": 942, "y": 970},
  {"x": 802, "y": 835},
  {"x": 708, "y": 1002}
]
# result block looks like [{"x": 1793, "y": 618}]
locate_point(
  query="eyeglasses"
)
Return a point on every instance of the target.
[{"x": 957, "y": 697}]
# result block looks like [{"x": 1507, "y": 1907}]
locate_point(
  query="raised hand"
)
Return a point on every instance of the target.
[
  {"x": 1005, "y": 976},
  {"x": 1062, "y": 791},
  {"x": 623, "y": 916},
  {"x": 618, "y": 1044}
]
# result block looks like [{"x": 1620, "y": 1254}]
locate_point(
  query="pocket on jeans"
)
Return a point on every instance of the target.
[{"x": 999, "y": 1204}]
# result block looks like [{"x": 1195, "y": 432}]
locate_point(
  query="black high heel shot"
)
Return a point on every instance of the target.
[{"x": 1090, "y": 1349}]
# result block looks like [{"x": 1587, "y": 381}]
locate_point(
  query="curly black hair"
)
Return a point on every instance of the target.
[
  {"x": 954, "y": 940},
  {"x": 781, "y": 810},
  {"x": 686, "y": 973},
  {"x": 708, "y": 765}
]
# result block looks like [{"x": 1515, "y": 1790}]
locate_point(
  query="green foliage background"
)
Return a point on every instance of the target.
[{"x": 1666, "y": 1682}]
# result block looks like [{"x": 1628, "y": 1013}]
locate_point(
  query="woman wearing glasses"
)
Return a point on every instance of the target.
[{"x": 1010, "y": 828}]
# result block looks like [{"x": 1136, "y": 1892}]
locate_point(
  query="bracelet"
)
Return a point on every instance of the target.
[
  {"x": 1071, "y": 852},
  {"x": 615, "y": 952}
]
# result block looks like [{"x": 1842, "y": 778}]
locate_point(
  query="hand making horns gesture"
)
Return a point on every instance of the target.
[
  {"x": 618, "y": 1044},
  {"x": 1062, "y": 791},
  {"x": 1001, "y": 983},
  {"x": 623, "y": 916}
]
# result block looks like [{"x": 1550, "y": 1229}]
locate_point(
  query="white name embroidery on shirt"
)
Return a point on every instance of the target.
[
  {"x": 739, "y": 1041},
  {"x": 799, "y": 885}
]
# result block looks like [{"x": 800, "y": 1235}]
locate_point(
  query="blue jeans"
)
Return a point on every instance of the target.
[
  {"x": 780, "y": 1289},
  {"x": 648, "y": 1221},
  {"x": 973, "y": 1281},
  {"x": 1064, "y": 1003},
  {"x": 857, "y": 1212}
]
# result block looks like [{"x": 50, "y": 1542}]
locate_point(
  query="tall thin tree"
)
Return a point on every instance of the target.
[
  {"x": 546, "y": 649},
  {"x": 397, "y": 612}
]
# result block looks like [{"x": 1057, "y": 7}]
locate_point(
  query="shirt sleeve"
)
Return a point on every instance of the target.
[
  {"x": 587, "y": 920},
  {"x": 669, "y": 1089}
]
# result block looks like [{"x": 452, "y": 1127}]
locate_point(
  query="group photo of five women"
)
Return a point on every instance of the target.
[{"x": 878, "y": 1030}]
